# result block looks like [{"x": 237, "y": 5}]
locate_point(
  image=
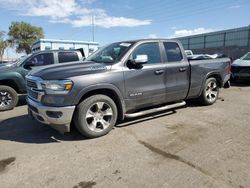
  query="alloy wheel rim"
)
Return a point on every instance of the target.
[
  {"x": 211, "y": 91},
  {"x": 99, "y": 116},
  {"x": 5, "y": 99}
]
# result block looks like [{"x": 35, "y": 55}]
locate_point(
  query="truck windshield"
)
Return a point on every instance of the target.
[
  {"x": 20, "y": 60},
  {"x": 111, "y": 53},
  {"x": 246, "y": 56}
]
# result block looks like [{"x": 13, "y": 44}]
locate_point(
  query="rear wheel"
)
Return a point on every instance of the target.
[
  {"x": 8, "y": 98},
  {"x": 210, "y": 92},
  {"x": 96, "y": 116}
]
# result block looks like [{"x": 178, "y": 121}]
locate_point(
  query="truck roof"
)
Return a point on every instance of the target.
[
  {"x": 154, "y": 39},
  {"x": 56, "y": 51}
]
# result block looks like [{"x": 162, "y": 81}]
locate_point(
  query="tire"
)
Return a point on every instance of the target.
[
  {"x": 210, "y": 92},
  {"x": 95, "y": 116},
  {"x": 8, "y": 98}
]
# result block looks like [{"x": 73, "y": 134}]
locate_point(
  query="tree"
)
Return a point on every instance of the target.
[
  {"x": 3, "y": 44},
  {"x": 22, "y": 35}
]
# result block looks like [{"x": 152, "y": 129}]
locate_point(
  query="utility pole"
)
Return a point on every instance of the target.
[
  {"x": 93, "y": 28},
  {"x": 7, "y": 54}
]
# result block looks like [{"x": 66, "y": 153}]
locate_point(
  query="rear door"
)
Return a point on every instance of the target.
[
  {"x": 177, "y": 72},
  {"x": 145, "y": 84}
]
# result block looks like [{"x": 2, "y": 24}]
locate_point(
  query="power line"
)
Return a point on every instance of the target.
[
  {"x": 182, "y": 9},
  {"x": 195, "y": 12}
]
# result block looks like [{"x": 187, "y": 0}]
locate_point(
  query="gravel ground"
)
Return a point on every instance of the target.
[{"x": 191, "y": 147}]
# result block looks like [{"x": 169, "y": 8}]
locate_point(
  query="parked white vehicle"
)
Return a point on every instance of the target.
[{"x": 241, "y": 67}]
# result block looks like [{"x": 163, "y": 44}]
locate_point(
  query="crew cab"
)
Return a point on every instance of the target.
[
  {"x": 12, "y": 75},
  {"x": 122, "y": 80}
]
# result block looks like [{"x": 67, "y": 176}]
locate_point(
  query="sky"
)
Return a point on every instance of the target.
[{"x": 116, "y": 20}]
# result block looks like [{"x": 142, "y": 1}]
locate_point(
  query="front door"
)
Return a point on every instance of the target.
[
  {"x": 35, "y": 61},
  {"x": 145, "y": 85}
]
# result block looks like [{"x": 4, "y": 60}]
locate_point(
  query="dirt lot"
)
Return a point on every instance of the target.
[{"x": 189, "y": 147}]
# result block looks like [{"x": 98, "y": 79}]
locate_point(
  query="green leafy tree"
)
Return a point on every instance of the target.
[
  {"x": 22, "y": 35},
  {"x": 3, "y": 44}
]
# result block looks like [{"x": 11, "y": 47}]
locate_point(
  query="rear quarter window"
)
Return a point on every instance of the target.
[
  {"x": 173, "y": 52},
  {"x": 64, "y": 57}
]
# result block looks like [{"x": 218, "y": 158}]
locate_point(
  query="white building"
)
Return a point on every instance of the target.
[{"x": 54, "y": 44}]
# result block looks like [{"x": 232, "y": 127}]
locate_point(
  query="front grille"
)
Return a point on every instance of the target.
[
  {"x": 33, "y": 94},
  {"x": 240, "y": 69},
  {"x": 245, "y": 70},
  {"x": 34, "y": 88},
  {"x": 31, "y": 84}
]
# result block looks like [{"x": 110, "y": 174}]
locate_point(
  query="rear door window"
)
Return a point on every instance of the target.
[
  {"x": 173, "y": 52},
  {"x": 42, "y": 59},
  {"x": 64, "y": 57}
]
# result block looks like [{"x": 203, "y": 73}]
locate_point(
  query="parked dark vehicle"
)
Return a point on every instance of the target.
[
  {"x": 122, "y": 80},
  {"x": 241, "y": 68},
  {"x": 12, "y": 75}
]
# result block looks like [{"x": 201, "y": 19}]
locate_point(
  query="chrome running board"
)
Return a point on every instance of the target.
[{"x": 150, "y": 111}]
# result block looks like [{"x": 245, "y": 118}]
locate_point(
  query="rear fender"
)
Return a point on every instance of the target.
[{"x": 216, "y": 75}]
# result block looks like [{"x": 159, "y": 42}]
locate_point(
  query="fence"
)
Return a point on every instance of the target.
[{"x": 233, "y": 42}]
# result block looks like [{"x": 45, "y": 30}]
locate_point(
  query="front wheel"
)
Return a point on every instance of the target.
[
  {"x": 95, "y": 116},
  {"x": 8, "y": 98},
  {"x": 210, "y": 92}
]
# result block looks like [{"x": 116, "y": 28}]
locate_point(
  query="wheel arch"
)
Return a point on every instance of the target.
[
  {"x": 108, "y": 90},
  {"x": 215, "y": 75},
  {"x": 10, "y": 83}
]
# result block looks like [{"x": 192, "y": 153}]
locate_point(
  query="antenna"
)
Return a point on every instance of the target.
[{"x": 93, "y": 28}]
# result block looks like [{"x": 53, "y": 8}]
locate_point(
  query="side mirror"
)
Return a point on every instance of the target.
[
  {"x": 140, "y": 59},
  {"x": 28, "y": 65}
]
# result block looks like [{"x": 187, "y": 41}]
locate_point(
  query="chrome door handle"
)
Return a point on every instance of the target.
[
  {"x": 182, "y": 69},
  {"x": 159, "y": 72}
]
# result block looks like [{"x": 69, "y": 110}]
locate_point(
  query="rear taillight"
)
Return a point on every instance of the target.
[{"x": 229, "y": 68}]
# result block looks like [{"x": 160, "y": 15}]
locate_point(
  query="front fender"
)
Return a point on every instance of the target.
[
  {"x": 16, "y": 78},
  {"x": 90, "y": 88}
]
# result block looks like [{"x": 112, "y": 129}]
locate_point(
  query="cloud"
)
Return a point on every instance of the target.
[
  {"x": 109, "y": 21},
  {"x": 71, "y": 12},
  {"x": 53, "y": 9},
  {"x": 186, "y": 32},
  {"x": 234, "y": 7}
]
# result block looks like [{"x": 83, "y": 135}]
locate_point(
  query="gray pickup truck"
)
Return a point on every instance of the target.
[{"x": 122, "y": 80}]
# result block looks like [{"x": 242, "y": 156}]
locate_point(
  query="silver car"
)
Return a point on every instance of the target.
[{"x": 241, "y": 67}]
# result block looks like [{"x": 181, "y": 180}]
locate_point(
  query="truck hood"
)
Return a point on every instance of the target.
[
  {"x": 241, "y": 63},
  {"x": 67, "y": 70}
]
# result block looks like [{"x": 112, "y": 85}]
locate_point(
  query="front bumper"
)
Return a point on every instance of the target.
[
  {"x": 241, "y": 75},
  {"x": 57, "y": 117}
]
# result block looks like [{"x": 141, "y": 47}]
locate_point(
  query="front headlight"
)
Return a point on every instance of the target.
[{"x": 57, "y": 86}]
